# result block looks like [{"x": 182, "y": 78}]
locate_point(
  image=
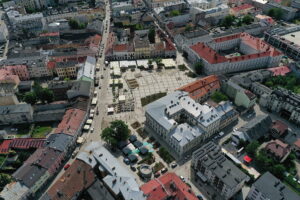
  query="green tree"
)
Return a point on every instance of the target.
[
  {"x": 4, "y": 180},
  {"x": 139, "y": 27},
  {"x": 108, "y": 136},
  {"x": 188, "y": 27},
  {"x": 151, "y": 35},
  {"x": 278, "y": 170},
  {"x": 228, "y": 20},
  {"x": 30, "y": 98},
  {"x": 46, "y": 95},
  {"x": 218, "y": 97},
  {"x": 247, "y": 19},
  {"x": 74, "y": 24},
  {"x": 174, "y": 13},
  {"x": 121, "y": 130},
  {"x": 198, "y": 67},
  {"x": 252, "y": 148},
  {"x": 276, "y": 13}
]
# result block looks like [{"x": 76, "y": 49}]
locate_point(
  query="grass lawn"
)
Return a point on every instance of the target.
[
  {"x": 2, "y": 158},
  {"x": 148, "y": 99},
  {"x": 165, "y": 155},
  {"x": 292, "y": 184},
  {"x": 40, "y": 131},
  {"x": 158, "y": 166}
]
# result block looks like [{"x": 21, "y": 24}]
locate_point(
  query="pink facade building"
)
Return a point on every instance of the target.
[{"x": 19, "y": 70}]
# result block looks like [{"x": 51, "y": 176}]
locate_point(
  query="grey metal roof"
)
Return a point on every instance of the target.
[
  {"x": 98, "y": 191},
  {"x": 15, "y": 190},
  {"x": 60, "y": 142},
  {"x": 119, "y": 179},
  {"x": 272, "y": 188},
  {"x": 19, "y": 108},
  {"x": 211, "y": 156},
  {"x": 29, "y": 174},
  {"x": 257, "y": 127}
]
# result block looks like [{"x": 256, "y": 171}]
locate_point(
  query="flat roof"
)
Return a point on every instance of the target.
[{"x": 295, "y": 38}]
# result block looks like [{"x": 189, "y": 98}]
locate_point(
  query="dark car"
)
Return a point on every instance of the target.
[
  {"x": 199, "y": 197},
  {"x": 173, "y": 165},
  {"x": 164, "y": 170},
  {"x": 126, "y": 161},
  {"x": 133, "y": 168}
]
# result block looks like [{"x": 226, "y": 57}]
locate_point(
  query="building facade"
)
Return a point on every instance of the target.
[{"x": 211, "y": 165}]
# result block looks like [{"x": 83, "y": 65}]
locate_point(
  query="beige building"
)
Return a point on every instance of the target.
[{"x": 67, "y": 69}]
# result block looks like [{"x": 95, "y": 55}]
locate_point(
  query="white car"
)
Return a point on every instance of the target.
[{"x": 92, "y": 129}]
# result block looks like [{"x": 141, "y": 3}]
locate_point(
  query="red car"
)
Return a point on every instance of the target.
[{"x": 67, "y": 166}]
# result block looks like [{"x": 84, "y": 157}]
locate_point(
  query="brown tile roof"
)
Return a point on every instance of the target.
[
  {"x": 297, "y": 143},
  {"x": 201, "y": 87},
  {"x": 279, "y": 126},
  {"x": 278, "y": 148},
  {"x": 71, "y": 122},
  {"x": 78, "y": 177}
]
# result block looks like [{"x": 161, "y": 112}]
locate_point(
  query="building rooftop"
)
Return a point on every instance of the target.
[
  {"x": 78, "y": 177},
  {"x": 59, "y": 142},
  {"x": 201, "y": 87},
  {"x": 88, "y": 69},
  {"x": 211, "y": 156},
  {"x": 278, "y": 148},
  {"x": 257, "y": 127},
  {"x": 273, "y": 188},
  {"x": 14, "y": 190},
  {"x": 166, "y": 185},
  {"x": 280, "y": 127},
  {"x": 71, "y": 122},
  {"x": 211, "y": 56},
  {"x": 118, "y": 179},
  {"x": 45, "y": 157},
  {"x": 29, "y": 174}
]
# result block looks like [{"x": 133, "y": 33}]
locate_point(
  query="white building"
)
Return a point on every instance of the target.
[{"x": 181, "y": 122}]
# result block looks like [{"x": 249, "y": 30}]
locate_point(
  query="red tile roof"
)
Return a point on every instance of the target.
[
  {"x": 242, "y": 7},
  {"x": 71, "y": 122},
  {"x": 49, "y": 34},
  {"x": 208, "y": 53},
  {"x": 78, "y": 177},
  {"x": 27, "y": 143},
  {"x": 120, "y": 47},
  {"x": 21, "y": 143},
  {"x": 4, "y": 147},
  {"x": 201, "y": 87},
  {"x": 51, "y": 65},
  {"x": 168, "y": 185},
  {"x": 280, "y": 71},
  {"x": 212, "y": 57}
]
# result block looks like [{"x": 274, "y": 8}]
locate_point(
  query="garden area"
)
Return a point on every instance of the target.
[
  {"x": 157, "y": 167},
  {"x": 165, "y": 155},
  {"x": 290, "y": 82},
  {"x": 40, "y": 131},
  {"x": 263, "y": 163},
  {"x": 148, "y": 159},
  {"x": 218, "y": 97},
  {"x": 148, "y": 99}
]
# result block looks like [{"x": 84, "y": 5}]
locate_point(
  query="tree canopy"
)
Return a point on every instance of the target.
[
  {"x": 174, "y": 13},
  {"x": 74, "y": 24},
  {"x": 276, "y": 13},
  {"x": 151, "y": 35},
  {"x": 30, "y": 98},
  {"x": 4, "y": 180},
  {"x": 247, "y": 19},
  {"x": 228, "y": 21},
  {"x": 252, "y": 148},
  {"x": 116, "y": 132},
  {"x": 198, "y": 67}
]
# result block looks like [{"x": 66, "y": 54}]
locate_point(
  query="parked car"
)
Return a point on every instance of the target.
[
  {"x": 173, "y": 165},
  {"x": 199, "y": 197},
  {"x": 67, "y": 166},
  {"x": 126, "y": 161},
  {"x": 164, "y": 170},
  {"x": 133, "y": 168}
]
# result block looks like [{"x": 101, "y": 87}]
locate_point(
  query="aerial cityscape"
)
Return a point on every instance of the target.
[{"x": 150, "y": 99}]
